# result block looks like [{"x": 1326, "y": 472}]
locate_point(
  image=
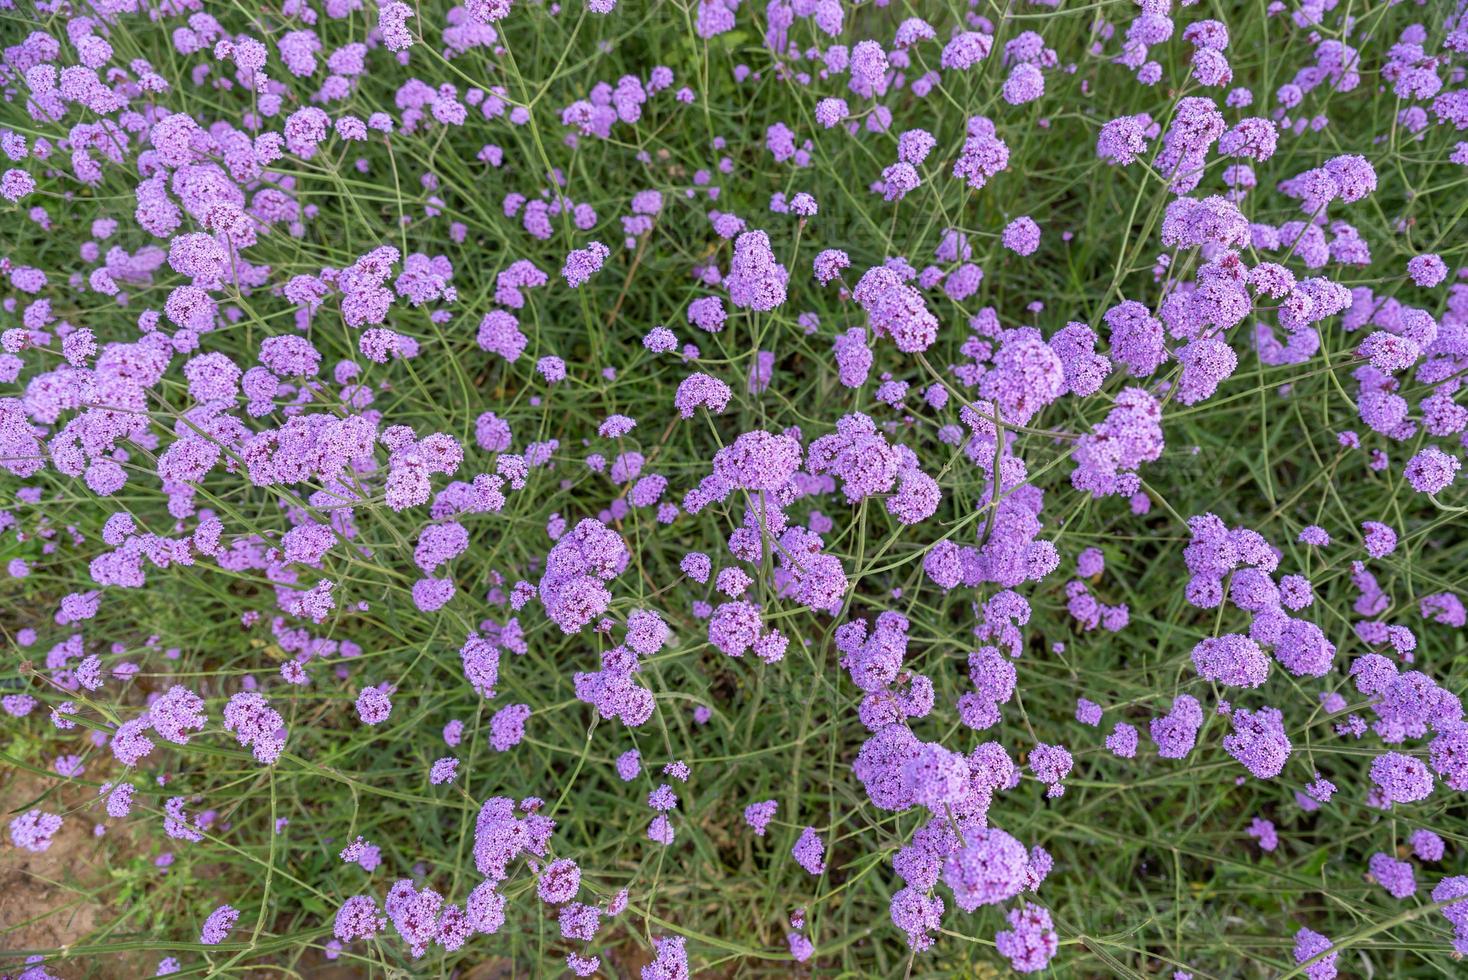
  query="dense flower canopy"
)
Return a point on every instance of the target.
[{"x": 607, "y": 486}]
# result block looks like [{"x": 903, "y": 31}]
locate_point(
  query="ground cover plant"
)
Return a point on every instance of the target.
[{"x": 712, "y": 489}]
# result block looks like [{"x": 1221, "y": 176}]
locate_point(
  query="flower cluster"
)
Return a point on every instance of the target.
[{"x": 732, "y": 415}]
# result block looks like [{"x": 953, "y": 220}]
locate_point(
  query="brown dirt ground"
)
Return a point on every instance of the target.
[{"x": 43, "y": 897}]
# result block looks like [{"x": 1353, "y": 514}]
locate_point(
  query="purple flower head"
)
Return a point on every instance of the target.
[
  {"x": 896, "y": 309},
  {"x": 990, "y": 868},
  {"x": 1426, "y": 845},
  {"x": 1232, "y": 660},
  {"x": 1380, "y": 539},
  {"x": 1400, "y": 778},
  {"x": 218, "y": 925},
  {"x": 507, "y": 727},
  {"x": 1177, "y": 731},
  {"x": 1397, "y": 877},
  {"x": 177, "y": 710},
  {"x": 358, "y": 918},
  {"x": 1122, "y": 140},
  {"x": 1309, "y": 945},
  {"x": 1122, "y": 742},
  {"x": 34, "y": 829},
  {"x": 1431, "y": 470},
  {"x": 756, "y": 281},
  {"x": 1051, "y": 764},
  {"x": 759, "y": 815},
  {"x": 829, "y": 263},
  {"x": 1136, "y": 338},
  {"x": 1259, "y": 742},
  {"x": 701, "y": 389},
  {"x": 1022, "y": 236},
  {"x": 1030, "y": 942},
  {"x": 559, "y": 882},
  {"x": 373, "y": 706},
  {"x": 583, "y": 263},
  {"x": 810, "y": 852},
  {"x": 256, "y": 724},
  {"x": 443, "y": 771}
]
